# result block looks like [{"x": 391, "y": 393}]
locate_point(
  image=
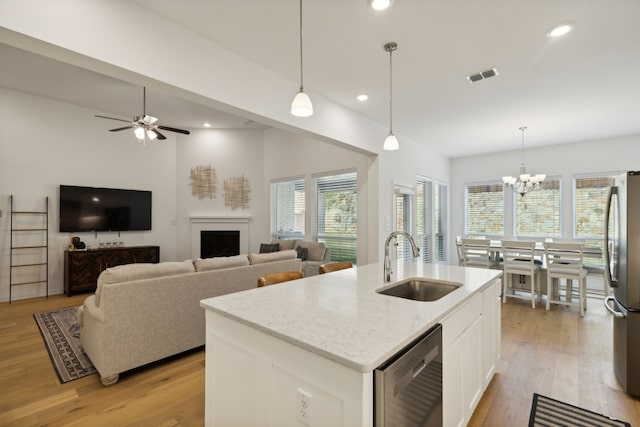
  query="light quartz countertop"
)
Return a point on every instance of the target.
[{"x": 340, "y": 315}]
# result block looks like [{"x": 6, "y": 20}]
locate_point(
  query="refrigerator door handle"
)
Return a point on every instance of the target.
[
  {"x": 616, "y": 314},
  {"x": 612, "y": 281}
]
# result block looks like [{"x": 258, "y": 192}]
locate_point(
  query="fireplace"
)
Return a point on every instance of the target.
[
  {"x": 219, "y": 243},
  {"x": 239, "y": 225}
]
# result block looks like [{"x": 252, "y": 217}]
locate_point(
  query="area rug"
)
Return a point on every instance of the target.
[
  {"x": 61, "y": 333},
  {"x": 547, "y": 412}
]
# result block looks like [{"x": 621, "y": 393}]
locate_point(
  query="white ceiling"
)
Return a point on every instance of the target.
[{"x": 582, "y": 86}]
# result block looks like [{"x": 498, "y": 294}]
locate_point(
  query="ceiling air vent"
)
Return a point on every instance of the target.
[{"x": 482, "y": 75}]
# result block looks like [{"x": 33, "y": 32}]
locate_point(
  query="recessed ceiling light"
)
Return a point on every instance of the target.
[
  {"x": 362, "y": 97},
  {"x": 207, "y": 125},
  {"x": 560, "y": 30},
  {"x": 380, "y": 5}
]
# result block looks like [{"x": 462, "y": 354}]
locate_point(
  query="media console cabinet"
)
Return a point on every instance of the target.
[{"x": 82, "y": 268}]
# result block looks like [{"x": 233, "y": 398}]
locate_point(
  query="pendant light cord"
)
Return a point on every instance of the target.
[
  {"x": 301, "y": 84},
  {"x": 522, "y": 129},
  {"x": 390, "y": 90}
]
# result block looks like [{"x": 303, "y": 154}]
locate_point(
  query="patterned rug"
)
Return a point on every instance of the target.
[
  {"x": 61, "y": 333},
  {"x": 547, "y": 412}
]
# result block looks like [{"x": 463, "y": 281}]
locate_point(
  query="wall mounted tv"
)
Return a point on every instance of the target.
[{"x": 104, "y": 209}]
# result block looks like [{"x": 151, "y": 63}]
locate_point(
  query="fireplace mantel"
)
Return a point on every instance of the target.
[{"x": 219, "y": 223}]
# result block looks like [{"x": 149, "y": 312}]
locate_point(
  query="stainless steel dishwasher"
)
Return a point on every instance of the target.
[{"x": 408, "y": 387}]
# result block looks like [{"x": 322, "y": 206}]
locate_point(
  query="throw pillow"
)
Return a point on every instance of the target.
[
  {"x": 302, "y": 253},
  {"x": 266, "y": 248},
  {"x": 315, "y": 250}
]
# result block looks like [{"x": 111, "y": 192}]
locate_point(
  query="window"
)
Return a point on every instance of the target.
[
  {"x": 431, "y": 220},
  {"x": 440, "y": 223},
  {"x": 335, "y": 221},
  {"x": 589, "y": 204},
  {"x": 484, "y": 209},
  {"x": 424, "y": 213},
  {"x": 287, "y": 209},
  {"x": 537, "y": 214},
  {"x": 403, "y": 219}
]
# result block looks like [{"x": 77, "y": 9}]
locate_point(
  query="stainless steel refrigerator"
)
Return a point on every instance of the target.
[{"x": 622, "y": 253}]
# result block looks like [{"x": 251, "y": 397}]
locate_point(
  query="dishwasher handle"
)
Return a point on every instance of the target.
[{"x": 411, "y": 374}]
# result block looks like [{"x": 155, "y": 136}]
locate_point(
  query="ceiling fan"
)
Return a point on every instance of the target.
[{"x": 145, "y": 125}]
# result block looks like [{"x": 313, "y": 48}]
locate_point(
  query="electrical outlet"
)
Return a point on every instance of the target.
[{"x": 304, "y": 407}]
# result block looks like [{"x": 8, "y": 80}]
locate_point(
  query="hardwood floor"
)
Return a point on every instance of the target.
[
  {"x": 558, "y": 354},
  {"x": 170, "y": 393},
  {"x": 555, "y": 353}
]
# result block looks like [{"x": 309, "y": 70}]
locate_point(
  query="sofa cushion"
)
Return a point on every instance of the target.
[
  {"x": 215, "y": 263},
  {"x": 266, "y": 248},
  {"x": 137, "y": 271},
  {"x": 302, "y": 252},
  {"x": 285, "y": 245},
  {"x": 315, "y": 250},
  {"x": 273, "y": 256}
]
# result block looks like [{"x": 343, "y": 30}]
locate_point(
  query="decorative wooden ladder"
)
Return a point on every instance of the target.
[{"x": 38, "y": 260}]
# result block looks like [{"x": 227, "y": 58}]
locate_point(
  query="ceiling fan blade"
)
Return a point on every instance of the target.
[
  {"x": 185, "y": 132},
  {"x": 117, "y": 129},
  {"x": 158, "y": 134},
  {"x": 112, "y": 118}
]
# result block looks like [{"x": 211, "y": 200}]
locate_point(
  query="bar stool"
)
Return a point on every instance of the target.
[
  {"x": 518, "y": 258},
  {"x": 282, "y": 276},
  {"x": 334, "y": 266},
  {"x": 565, "y": 261}
]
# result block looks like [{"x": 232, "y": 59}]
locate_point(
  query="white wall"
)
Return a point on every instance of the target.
[
  {"x": 230, "y": 153},
  {"x": 289, "y": 155},
  {"x": 45, "y": 143},
  {"x": 567, "y": 160},
  {"x": 400, "y": 168},
  {"x": 219, "y": 78}
]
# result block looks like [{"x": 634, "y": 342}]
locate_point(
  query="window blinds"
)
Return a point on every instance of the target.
[
  {"x": 484, "y": 209},
  {"x": 288, "y": 209},
  {"x": 335, "y": 221}
]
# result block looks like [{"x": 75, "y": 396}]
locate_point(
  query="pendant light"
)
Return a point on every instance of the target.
[
  {"x": 391, "y": 143},
  {"x": 526, "y": 182},
  {"x": 301, "y": 105}
]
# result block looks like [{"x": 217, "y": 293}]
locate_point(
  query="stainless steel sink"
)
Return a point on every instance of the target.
[{"x": 420, "y": 289}]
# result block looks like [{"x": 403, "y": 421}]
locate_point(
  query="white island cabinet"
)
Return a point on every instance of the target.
[
  {"x": 302, "y": 353},
  {"x": 471, "y": 341}
]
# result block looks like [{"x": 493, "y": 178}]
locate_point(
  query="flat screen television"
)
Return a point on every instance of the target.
[{"x": 103, "y": 209}]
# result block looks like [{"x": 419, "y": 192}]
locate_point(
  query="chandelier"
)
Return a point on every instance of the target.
[{"x": 526, "y": 182}]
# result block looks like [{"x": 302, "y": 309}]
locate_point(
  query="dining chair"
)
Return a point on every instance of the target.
[
  {"x": 334, "y": 266},
  {"x": 282, "y": 276},
  {"x": 565, "y": 261},
  {"x": 459, "y": 250},
  {"x": 476, "y": 253},
  {"x": 518, "y": 259}
]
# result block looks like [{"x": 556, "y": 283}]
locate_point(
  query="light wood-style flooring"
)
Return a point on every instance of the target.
[
  {"x": 555, "y": 353},
  {"x": 558, "y": 354}
]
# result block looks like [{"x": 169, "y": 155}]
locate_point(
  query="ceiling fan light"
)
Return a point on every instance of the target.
[
  {"x": 151, "y": 134},
  {"x": 301, "y": 105},
  {"x": 391, "y": 142},
  {"x": 139, "y": 133},
  {"x": 380, "y": 5},
  {"x": 560, "y": 30}
]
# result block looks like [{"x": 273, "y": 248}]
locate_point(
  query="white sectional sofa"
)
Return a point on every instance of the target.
[
  {"x": 142, "y": 313},
  {"x": 317, "y": 254}
]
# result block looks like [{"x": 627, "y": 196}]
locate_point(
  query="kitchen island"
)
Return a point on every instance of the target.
[{"x": 303, "y": 352}]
